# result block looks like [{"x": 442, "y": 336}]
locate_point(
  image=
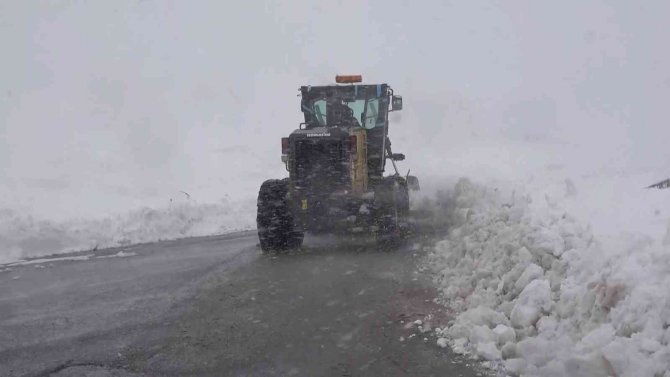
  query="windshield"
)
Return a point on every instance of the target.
[{"x": 360, "y": 112}]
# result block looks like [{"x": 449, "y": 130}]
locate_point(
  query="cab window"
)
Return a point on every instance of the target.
[
  {"x": 320, "y": 111},
  {"x": 371, "y": 114}
]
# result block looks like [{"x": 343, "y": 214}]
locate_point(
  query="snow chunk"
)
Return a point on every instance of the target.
[
  {"x": 515, "y": 366},
  {"x": 460, "y": 345},
  {"x": 482, "y": 315},
  {"x": 482, "y": 334},
  {"x": 627, "y": 360},
  {"x": 597, "y": 338},
  {"x": 504, "y": 334},
  {"x": 537, "y": 351},
  {"x": 488, "y": 351},
  {"x": 548, "y": 241},
  {"x": 534, "y": 299},
  {"x": 531, "y": 273},
  {"x": 509, "y": 350}
]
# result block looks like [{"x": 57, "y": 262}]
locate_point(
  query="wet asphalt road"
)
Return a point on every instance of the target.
[{"x": 215, "y": 306}]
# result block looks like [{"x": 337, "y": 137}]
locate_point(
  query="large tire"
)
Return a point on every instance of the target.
[
  {"x": 274, "y": 219},
  {"x": 392, "y": 212}
]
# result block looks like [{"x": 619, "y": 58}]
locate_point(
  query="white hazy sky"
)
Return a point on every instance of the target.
[{"x": 106, "y": 106}]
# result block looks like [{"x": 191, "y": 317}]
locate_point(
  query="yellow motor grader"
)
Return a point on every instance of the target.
[{"x": 336, "y": 161}]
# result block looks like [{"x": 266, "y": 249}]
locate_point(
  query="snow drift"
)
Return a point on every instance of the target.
[
  {"x": 538, "y": 293},
  {"x": 24, "y": 236}
]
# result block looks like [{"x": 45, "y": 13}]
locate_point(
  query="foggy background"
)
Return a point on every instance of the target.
[{"x": 109, "y": 106}]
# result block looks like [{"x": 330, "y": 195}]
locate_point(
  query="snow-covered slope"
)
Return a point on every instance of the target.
[
  {"x": 560, "y": 277},
  {"x": 23, "y": 236}
]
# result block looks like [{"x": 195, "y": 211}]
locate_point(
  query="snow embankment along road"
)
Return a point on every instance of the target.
[
  {"x": 538, "y": 293},
  {"x": 23, "y": 236}
]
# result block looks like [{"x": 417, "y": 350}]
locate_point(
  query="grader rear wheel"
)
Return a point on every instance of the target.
[
  {"x": 392, "y": 212},
  {"x": 274, "y": 220}
]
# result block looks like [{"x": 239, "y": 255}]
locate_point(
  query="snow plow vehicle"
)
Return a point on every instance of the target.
[{"x": 336, "y": 161}]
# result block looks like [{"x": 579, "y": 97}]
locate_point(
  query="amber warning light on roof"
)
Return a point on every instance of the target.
[{"x": 348, "y": 79}]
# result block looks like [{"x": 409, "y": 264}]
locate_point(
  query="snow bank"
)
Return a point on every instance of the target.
[
  {"x": 541, "y": 294},
  {"x": 24, "y": 236}
]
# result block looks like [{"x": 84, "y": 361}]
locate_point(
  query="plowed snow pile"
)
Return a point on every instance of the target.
[
  {"x": 23, "y": 236},
  {"x": 539, "y": 293}
]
